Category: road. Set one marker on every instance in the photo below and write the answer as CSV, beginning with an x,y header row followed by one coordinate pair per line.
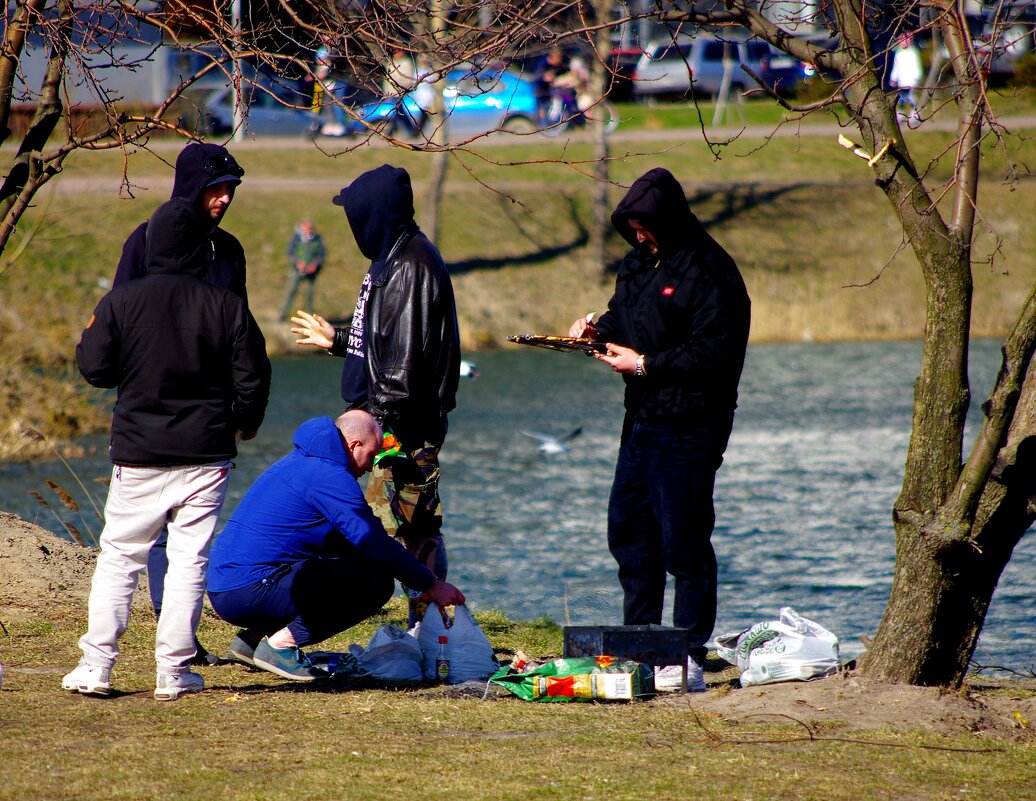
x,y
72,184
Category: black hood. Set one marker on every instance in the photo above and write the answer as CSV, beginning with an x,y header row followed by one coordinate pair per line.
x,y
379,205
177,240
200,165
656,200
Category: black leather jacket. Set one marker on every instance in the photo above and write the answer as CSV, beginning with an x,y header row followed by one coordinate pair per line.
x,y
412,341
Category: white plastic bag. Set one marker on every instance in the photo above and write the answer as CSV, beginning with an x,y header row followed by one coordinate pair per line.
x,y
792,648
471,655
392,655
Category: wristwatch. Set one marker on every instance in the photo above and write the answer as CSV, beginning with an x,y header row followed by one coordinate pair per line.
x,y
639,368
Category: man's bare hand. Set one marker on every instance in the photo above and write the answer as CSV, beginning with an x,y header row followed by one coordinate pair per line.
x,y
620,358
445,594
312,329
584,327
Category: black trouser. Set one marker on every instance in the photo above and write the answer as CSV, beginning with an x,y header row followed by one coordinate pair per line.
x,y
315,599
660,520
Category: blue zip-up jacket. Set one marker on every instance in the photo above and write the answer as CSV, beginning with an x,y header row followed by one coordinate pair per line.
x,y
298,510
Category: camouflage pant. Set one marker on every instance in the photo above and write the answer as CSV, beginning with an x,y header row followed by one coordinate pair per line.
x,y
404,494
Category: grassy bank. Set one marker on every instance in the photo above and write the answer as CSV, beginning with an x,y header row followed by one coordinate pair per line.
x,y
820,250
253,736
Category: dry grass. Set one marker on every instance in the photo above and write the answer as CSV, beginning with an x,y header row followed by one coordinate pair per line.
x,y
254,736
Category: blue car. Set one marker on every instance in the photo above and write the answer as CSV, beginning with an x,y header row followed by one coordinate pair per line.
x,y
476,101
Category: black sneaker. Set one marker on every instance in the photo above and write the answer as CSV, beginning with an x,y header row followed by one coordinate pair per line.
x,y
290,663
204,657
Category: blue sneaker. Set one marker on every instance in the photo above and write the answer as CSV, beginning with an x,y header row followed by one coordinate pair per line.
x,y
290,663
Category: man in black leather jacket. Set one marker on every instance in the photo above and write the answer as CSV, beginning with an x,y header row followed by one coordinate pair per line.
x,y
677,330
402,357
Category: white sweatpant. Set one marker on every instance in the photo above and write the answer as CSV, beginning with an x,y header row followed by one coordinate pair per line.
x,y
141,501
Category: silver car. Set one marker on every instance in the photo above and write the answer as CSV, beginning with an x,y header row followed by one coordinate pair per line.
x,y
269,113
672,69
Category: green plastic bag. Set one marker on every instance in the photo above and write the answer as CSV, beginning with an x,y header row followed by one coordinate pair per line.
x,y
584,678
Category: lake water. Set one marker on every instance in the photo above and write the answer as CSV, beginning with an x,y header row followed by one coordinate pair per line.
x,y
803,500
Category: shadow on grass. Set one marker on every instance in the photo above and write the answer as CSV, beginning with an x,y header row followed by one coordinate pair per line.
x,y
526,232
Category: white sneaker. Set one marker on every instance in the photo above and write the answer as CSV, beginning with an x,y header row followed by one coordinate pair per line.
x,y
170,686
667,679
88,679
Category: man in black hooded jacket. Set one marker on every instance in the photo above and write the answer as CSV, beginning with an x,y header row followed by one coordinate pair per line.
x,y
677,330
402,357
206,177
192,375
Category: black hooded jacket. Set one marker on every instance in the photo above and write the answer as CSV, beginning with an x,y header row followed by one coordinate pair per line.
x,y
225,259
686,309
188,359
403,349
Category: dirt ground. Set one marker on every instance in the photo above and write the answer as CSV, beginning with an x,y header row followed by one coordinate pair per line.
x,y
42,576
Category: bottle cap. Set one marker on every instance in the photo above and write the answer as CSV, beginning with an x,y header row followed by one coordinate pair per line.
x,y
442,638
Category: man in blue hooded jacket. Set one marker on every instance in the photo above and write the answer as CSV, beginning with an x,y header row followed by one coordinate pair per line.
x,y
303,557
677,330
206,177
402,357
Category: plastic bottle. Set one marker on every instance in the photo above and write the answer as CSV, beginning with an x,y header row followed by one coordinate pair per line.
x,y
442,660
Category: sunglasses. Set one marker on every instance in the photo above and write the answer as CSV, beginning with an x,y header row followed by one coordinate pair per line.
x,y
223,164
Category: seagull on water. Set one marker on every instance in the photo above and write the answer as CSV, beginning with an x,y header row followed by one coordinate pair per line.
x,y
468,369
552,445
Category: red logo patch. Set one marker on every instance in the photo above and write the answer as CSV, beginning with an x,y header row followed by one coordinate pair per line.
x,y
667,291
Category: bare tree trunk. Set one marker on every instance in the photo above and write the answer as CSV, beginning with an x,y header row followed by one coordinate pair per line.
x,y
440,159
946,567
601,225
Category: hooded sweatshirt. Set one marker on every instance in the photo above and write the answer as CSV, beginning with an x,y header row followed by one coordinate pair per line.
x,y
306,506
187,358
379,206
685,308
402,351
198,166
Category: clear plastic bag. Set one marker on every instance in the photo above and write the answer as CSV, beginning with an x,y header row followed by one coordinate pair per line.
x,y
792,648
392,655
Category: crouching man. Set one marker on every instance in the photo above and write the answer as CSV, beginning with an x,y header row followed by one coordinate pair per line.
x,y
303,557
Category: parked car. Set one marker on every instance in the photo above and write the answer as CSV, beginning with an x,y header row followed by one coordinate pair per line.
x,y
673,69
622,63
476,101
272,108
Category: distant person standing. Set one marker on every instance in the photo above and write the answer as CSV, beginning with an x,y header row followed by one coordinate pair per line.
x,y
907,76
306,255
206,177
677,330
190,366
401,357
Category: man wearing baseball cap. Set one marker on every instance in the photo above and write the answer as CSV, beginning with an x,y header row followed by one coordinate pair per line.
x,y
206,176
